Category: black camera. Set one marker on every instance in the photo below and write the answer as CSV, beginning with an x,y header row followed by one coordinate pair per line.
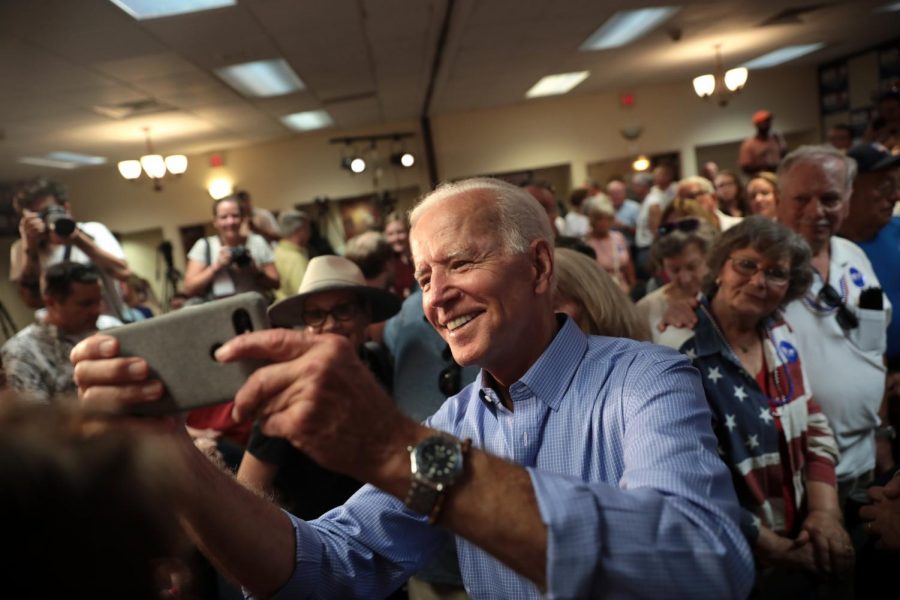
x,y
58,220
240,256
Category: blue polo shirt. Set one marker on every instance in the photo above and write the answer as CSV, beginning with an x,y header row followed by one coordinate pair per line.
x,y
883,252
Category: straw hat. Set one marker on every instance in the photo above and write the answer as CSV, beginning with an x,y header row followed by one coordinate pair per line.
x,y
326,274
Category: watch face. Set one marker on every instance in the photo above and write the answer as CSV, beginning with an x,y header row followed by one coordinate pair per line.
x,y
438,460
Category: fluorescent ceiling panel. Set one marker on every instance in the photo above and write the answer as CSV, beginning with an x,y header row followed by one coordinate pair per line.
x,y
783,55
262,78
626,26
74,157
152,9
308,120
552,85
39,161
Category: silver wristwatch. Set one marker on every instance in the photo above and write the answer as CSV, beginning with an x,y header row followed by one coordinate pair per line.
x,y
436,464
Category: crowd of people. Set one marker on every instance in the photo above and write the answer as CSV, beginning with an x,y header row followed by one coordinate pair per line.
x,y
679,387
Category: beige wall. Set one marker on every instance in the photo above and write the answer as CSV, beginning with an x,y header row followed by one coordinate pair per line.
x,y
582,130
573,131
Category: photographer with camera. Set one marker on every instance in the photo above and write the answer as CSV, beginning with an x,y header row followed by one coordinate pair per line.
x,y
229,263
50,235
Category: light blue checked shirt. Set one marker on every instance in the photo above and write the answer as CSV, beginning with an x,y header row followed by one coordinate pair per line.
x,y
617,440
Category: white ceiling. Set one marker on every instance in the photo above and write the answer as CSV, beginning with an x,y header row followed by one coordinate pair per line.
x,y
364,61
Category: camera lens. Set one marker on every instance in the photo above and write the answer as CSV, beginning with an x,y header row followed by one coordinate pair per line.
x,y
241,321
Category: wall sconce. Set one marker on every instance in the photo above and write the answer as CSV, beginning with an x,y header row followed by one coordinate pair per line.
x,y
154,165
722,84
220,188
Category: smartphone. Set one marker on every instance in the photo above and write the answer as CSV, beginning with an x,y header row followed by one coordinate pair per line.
x,y
180,346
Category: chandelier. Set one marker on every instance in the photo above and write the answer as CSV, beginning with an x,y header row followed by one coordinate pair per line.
x,y
722,84
154,165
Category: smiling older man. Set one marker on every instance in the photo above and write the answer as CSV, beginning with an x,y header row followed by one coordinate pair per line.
x,y
840,323
575,465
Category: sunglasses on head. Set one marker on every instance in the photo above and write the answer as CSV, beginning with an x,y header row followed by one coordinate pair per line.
x,y
832,299
683,225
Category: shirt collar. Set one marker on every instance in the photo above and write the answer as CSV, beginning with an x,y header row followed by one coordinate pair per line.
x,y
549,377
706,340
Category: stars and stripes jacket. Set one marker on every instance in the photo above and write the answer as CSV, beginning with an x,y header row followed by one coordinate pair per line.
x,y
770,478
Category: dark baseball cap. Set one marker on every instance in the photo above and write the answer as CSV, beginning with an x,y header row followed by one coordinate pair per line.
x,y
873,157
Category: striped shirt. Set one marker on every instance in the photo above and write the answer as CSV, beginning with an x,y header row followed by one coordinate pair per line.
x,y
616,438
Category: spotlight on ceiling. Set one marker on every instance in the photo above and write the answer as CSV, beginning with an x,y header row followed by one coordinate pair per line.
x,y
403,159
356,164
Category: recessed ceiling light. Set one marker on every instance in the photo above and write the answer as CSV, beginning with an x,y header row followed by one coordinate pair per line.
x,y
262,78
782,55
152,9
308,120
552,85
626,26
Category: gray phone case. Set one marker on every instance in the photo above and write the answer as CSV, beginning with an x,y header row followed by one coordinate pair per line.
x,y
179,348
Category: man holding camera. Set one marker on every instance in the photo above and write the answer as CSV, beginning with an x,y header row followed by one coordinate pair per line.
x,y
49,235
229,262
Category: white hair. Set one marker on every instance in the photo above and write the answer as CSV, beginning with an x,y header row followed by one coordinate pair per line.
x,y
703,183
520,218
818,154
600,205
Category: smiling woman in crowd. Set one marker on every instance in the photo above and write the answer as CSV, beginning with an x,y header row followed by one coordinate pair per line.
x,y
771,431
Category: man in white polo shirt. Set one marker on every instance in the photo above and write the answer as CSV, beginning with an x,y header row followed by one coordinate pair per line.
x,y
841,322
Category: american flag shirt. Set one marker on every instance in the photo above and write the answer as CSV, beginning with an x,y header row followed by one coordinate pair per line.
x,y
773,442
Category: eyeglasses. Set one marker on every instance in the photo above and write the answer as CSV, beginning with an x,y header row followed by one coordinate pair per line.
x,y
450,379
687,225
775,276
341,312
831,298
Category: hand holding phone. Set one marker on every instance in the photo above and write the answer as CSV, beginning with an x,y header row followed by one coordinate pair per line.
x,y
179,348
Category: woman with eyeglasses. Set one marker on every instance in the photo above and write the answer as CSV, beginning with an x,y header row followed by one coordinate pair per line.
x,y
333,298
771,431
680,251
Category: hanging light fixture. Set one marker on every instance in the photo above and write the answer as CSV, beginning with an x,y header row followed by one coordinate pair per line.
x,y
722,84
154,165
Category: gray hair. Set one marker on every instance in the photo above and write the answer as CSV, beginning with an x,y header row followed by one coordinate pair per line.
x,y
702,182
645,179
291,220
371,253
771,239
675,242
599,205
817,154
520,218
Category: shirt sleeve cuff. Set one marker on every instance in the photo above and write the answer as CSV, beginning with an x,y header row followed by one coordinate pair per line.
x,y
307,559
572,528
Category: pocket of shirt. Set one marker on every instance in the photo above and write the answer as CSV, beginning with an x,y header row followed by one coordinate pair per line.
x,y
871,335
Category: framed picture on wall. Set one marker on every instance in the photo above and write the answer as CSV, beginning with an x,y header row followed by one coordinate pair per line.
x,y
359,214
834,91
